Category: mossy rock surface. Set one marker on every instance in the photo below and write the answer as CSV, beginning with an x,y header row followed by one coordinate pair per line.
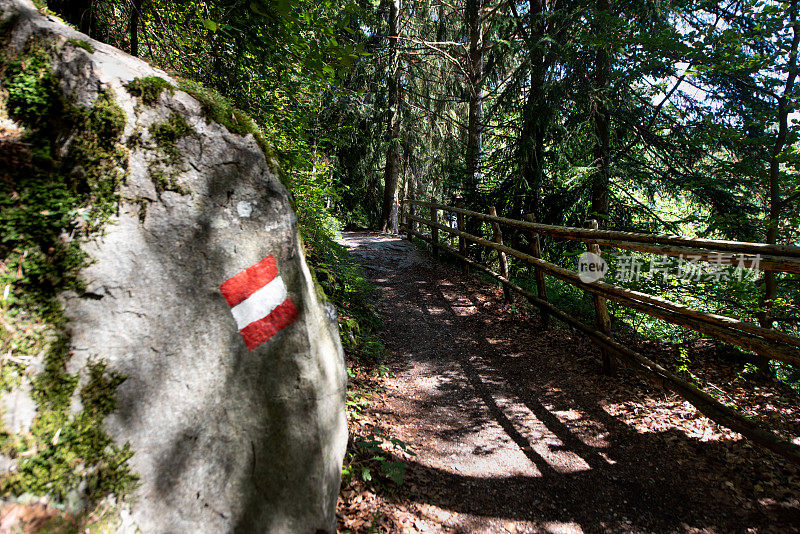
x,y
149,88
146,390
63,167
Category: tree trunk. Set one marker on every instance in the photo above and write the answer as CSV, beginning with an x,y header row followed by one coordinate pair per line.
x,y
599,208
392,172
775,200
475,125
535,118
136,13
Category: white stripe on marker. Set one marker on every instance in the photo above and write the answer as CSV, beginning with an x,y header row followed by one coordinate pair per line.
x,y
260,304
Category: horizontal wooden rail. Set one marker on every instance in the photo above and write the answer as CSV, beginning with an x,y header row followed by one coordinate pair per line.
x,y
764,341
599,287
654,372
771,257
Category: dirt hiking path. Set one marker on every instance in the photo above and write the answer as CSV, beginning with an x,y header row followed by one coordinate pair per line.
x,y
515,430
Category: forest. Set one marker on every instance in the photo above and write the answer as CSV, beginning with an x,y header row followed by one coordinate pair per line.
x,y
679,118
662,117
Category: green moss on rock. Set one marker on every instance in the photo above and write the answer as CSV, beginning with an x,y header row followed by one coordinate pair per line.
x,y
52,194
71,450
86,45
165,135
216,108
59,180
149,89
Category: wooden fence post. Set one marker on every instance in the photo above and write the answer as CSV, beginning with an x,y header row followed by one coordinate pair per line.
x,y
498,238
402,215
409,223
541,288
462,243
434,231
412,209
601,312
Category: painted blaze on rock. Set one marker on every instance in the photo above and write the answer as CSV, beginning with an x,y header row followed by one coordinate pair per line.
x,y
259,302
226,433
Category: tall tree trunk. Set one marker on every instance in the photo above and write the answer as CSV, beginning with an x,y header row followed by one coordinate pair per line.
x,y
392,172
535,116
136,13
600,181
532,139
475,125
775,200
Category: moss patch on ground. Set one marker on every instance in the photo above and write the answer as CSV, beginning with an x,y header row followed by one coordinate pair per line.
x,y
59,179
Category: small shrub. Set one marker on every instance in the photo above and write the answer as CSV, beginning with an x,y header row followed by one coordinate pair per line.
x,y
373,458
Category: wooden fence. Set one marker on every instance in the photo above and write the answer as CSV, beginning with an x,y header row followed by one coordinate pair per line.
x,y
766,342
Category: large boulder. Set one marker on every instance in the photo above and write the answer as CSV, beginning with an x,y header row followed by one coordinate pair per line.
x,y
199,297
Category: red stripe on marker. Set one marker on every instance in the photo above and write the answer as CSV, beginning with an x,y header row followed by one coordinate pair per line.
x,y
241,285
262,330
259,302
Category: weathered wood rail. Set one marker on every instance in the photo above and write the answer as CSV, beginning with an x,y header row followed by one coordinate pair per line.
x,y
766,342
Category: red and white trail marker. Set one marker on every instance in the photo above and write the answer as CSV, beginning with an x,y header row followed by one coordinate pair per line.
x,y
259,302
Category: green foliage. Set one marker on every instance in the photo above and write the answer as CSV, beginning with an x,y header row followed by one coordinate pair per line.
x,y
313,194
683,363
373,458
33,93
149,89
564,296
344,284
